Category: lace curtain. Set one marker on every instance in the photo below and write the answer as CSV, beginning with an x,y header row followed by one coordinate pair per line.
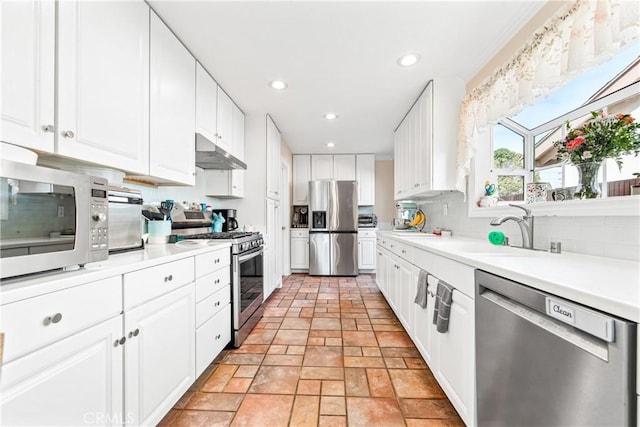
x,y
582,35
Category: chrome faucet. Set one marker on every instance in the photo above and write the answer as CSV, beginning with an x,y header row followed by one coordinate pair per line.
x,y
525,223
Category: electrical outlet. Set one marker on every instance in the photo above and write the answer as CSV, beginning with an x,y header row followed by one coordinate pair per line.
x,y
60,211
445,209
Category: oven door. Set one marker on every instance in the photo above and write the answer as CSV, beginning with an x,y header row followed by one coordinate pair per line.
x,y
248,285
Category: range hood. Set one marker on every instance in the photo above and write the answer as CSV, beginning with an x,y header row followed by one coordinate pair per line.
x,y
211,156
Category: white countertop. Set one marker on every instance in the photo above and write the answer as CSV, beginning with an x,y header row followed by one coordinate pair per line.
x,y
19,288
606,284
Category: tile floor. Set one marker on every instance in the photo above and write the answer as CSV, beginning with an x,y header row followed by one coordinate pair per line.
x,y
328,352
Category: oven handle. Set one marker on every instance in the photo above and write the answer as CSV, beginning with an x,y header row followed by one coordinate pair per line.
x,y
248,255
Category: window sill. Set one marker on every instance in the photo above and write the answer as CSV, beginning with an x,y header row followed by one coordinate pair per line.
x,y
614,206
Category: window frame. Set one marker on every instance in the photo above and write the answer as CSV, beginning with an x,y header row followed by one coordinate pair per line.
x,y
483,169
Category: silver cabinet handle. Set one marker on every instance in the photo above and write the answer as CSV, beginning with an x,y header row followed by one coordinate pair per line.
x,y
404,252
121,341
68,134
216,281
218,336
53,319
168,278
49,128
134,333
217,303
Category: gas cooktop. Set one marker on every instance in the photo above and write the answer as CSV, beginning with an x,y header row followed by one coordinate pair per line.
x,y
229,235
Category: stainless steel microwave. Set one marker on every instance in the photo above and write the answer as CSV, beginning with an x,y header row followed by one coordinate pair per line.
x,y
50,219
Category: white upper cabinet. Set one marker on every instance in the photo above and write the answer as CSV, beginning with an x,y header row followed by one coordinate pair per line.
x,y
344,167
273,160
426,140
206,100
321,166
224,120
172,120
237,135
366,176
27,72
103,83
301,177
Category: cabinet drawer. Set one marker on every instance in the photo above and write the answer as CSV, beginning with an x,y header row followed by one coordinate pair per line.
x,y
385,242
144,285
304,233
212,282
403,250
35,322
366,233
212,304
458,275
212,337
212,261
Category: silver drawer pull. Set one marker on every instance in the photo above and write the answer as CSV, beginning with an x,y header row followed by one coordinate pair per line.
x,y
217,281
216,304
134,333
53,319
218,336
168,278
121,341
68,134
404,252
48,128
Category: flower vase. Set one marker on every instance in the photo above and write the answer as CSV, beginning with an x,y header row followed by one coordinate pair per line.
x,y
588,187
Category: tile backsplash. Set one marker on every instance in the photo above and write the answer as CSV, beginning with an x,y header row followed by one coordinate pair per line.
x,y
607,236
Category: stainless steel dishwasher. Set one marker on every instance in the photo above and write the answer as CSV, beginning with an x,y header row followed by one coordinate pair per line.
x,y
546,361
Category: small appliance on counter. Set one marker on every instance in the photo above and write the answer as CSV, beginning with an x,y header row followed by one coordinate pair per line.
x,y
408,216
367,221
125,230
230,219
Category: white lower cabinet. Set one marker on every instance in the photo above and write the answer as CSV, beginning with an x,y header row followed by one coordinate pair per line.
x,y
159,355
455,351
76,381
299,250
367,250
450,355
212,337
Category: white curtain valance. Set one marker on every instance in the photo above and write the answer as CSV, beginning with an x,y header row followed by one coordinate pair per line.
x,y
584,34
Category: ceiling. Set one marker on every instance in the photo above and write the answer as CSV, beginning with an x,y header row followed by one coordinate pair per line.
x,y
340,57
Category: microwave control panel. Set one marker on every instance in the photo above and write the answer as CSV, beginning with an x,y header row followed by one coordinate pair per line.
x,y
99,222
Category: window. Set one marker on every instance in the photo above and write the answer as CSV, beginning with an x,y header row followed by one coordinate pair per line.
x,y
522,145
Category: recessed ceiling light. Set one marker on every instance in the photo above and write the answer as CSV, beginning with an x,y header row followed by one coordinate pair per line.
x,y
408,60
278,84
331,116
330,144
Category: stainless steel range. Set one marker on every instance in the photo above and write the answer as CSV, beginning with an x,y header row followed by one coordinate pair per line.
x,y
247,276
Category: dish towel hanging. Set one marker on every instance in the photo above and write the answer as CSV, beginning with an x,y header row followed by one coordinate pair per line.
x,y
421,295
442,308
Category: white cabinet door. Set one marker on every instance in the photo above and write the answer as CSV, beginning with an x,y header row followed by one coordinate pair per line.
x,y
206,103
159,355
273,248
366,253
212,337
301,178
173,90
380,269
344,167
321,166
27,72
406,279
103,83
76,381
366,176
423,136
225,120
424,332
238,133
300,253
456,357
273,160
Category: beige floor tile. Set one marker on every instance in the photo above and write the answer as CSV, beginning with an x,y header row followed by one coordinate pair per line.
x,y
215,402
276,379
332,388
323,356
264,410
355,381
332,405
305,411
367,411
203,418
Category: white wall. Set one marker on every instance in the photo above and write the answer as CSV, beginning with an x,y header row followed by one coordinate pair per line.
x,y
611,237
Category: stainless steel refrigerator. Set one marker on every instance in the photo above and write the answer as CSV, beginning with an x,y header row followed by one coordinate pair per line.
x,y
333,228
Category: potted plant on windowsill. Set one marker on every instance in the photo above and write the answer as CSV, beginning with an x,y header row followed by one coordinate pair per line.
x,y
601,137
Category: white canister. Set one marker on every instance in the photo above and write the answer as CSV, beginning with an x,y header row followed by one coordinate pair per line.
x,y
537,192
